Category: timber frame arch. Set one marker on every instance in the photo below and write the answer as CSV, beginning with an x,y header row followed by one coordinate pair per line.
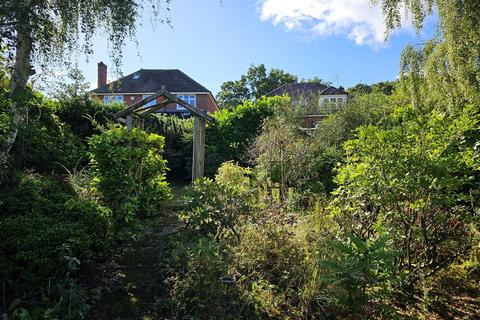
x,y
137,111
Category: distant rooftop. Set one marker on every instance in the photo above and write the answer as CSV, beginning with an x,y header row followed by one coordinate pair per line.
x,y
298,90
152,80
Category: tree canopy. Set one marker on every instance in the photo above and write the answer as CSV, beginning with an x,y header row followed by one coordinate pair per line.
x,y
256,83
46,31
449,63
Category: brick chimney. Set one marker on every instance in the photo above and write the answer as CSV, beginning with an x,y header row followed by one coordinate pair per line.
x,y
102,74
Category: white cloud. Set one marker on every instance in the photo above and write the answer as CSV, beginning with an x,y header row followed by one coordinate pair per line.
x,y
356,19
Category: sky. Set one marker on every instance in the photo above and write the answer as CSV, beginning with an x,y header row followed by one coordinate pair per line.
x,y
341,41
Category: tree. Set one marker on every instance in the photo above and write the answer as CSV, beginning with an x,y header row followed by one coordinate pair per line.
x,y
76,88
385,87
417,180
360,89
450,62
47,31
253,85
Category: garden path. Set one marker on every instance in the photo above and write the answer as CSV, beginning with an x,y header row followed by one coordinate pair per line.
x,y
130,285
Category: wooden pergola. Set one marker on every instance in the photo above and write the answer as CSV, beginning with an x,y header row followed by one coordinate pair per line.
x,y
137,111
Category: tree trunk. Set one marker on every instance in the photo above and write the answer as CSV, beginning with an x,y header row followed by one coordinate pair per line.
x,y
22,70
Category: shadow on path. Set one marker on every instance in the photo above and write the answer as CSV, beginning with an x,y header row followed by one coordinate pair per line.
x,y
130,281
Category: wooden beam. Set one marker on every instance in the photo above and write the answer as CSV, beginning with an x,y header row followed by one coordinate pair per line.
x,y
156,107
170,98
198,160
138,104
196,112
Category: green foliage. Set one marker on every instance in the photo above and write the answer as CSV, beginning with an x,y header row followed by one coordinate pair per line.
x,y
255,84
385,87
129,171
45,143
359,111
447,66
5,106
51,30
361,271
236,130
414,179
83,114
43,217
76,88
280,154
178,135
194,278
215,208
270,261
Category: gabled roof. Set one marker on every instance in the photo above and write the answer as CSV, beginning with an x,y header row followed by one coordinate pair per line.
x,y
153,80
298,90
333,90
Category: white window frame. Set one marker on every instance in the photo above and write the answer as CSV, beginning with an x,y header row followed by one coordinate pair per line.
x,y
151,103
113,99
188,99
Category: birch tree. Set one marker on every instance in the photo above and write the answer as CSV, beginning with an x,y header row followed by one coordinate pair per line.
x,y
44,31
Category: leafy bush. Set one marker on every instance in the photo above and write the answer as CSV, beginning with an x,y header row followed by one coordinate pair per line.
x,y
269,261
42,216
361,272
415,180
195,290
44,143
82,114
178,135
235,131
360,111
215,208
129,171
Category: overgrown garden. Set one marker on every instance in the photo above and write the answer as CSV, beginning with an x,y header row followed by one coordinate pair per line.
x,y
373,215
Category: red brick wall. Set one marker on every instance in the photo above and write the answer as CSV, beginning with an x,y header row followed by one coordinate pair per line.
x,y
205,102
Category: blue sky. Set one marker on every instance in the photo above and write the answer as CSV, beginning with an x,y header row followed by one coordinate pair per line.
x,y
336,40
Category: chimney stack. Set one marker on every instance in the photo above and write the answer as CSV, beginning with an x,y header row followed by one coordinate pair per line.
x,y
102,74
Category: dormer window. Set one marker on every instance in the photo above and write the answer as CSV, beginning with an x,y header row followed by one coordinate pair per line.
x,y
136,77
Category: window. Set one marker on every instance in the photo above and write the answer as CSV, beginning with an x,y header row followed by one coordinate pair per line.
x,y
112,99
151,103
190,99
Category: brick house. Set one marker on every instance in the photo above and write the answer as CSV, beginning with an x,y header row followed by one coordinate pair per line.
x,y
145,82
322,99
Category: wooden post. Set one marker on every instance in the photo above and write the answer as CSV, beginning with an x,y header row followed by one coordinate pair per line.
x,y
129,121
198,160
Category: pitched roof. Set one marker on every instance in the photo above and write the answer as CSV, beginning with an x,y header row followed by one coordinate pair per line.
x,y
152,80
298,90
333,90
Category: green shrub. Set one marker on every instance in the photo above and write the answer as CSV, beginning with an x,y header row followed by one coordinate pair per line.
x,y
178,135
195,289
215,208
35,192
235,131
45,143
35,228
82,114
129,171
270,264
414,179
360,272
